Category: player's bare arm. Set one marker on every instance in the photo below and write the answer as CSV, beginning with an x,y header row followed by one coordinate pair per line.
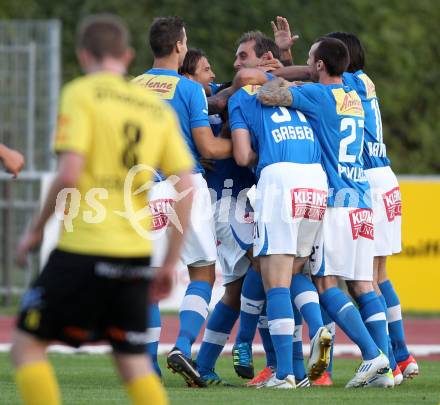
x,y
248,76
276,93
209,146
219,102
284,39
12,160
294,72
244,155
70,166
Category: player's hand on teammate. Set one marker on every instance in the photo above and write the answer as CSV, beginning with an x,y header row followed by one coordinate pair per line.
x,y
13,161
269,63
283,37
30,241
162,283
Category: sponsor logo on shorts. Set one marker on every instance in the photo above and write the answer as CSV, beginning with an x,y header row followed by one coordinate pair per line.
x,y
362,223
76,333
120,335
309,203
393,203
161,209
32,319
248,218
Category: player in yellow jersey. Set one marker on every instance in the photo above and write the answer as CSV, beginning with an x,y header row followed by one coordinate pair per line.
x,y
95,284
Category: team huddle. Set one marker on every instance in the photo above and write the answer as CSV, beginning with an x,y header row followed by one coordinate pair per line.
x,y
321,212
283,179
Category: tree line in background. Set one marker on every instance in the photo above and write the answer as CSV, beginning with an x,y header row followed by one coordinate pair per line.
x,y
403,50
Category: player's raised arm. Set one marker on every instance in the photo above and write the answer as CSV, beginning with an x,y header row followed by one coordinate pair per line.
x,y
275,93
284,39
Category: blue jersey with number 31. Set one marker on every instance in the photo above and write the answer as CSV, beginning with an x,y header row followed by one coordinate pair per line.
x,y
375,151
278,134
337,118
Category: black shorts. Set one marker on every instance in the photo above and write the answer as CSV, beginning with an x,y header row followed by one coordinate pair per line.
x,y
80,298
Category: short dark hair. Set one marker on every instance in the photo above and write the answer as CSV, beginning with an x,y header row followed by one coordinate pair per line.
x,y
334,54
103,35
189,64
263,43
165,32
355,49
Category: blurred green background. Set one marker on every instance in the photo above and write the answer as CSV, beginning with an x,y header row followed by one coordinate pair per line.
x,y
400,36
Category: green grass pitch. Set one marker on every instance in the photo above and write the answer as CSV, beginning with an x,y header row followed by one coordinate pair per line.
x,y
90,379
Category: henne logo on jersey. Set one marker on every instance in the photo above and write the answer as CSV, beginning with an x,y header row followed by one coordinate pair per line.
x,y
369,85
361,221
348,103
309,203
164,86
393,203
251,89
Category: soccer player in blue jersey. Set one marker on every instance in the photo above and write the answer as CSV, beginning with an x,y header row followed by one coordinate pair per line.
x,y
386,201
168,42
345,246
290,204
234,225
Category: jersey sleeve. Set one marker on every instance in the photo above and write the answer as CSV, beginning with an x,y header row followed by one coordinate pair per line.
x,y
306,98
198,107
74,122
236,118
176,157
214,88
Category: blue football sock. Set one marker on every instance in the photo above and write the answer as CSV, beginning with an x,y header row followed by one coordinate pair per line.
x,y
263,328
374,317
330,324
306,299
153,335
348,318
393,363
395,323
281,327
220,323
252,300
192,315
298,356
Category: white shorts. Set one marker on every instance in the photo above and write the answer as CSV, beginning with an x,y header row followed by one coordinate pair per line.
x,y
344,245
290,203
199,247
387,211
234,225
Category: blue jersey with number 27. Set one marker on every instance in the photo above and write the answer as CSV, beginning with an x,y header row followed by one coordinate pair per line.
x,y
337,118
278,134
